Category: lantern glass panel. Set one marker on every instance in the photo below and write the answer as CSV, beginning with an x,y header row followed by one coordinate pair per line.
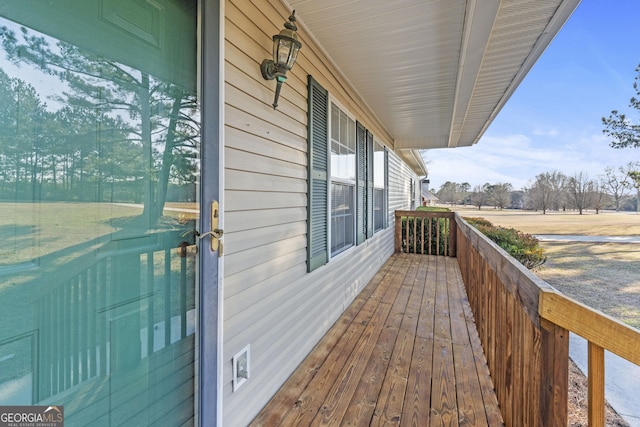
x,y
293,57
283,52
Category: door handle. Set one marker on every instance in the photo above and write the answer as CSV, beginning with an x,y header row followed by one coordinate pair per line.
x,y
215,233
216,244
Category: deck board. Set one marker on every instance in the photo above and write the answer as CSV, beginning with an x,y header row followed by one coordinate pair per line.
x,y
406,352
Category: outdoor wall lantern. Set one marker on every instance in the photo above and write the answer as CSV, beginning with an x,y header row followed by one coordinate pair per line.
x,y
285,52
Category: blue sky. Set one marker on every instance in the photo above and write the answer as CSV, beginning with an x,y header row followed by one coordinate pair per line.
x,y
553,121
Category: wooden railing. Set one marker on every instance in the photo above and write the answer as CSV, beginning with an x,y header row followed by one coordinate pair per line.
x,y
524,326
602,333
425,232
527,355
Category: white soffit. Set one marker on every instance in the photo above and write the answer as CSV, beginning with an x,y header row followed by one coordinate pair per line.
x,y
435,72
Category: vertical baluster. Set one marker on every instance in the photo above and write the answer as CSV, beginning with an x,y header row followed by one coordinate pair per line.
x,y
66,333
35,371
45,354
430,233
92,289
406,234
74,307
83,297
36,351
56,319
167,297
596,407
422,235
150,304
102,322
414,249
437,236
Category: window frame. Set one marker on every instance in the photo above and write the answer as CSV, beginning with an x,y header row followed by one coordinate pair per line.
x,y
320,178
338,180
384,169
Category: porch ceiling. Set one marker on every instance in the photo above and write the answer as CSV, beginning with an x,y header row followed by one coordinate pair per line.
x,y
435,72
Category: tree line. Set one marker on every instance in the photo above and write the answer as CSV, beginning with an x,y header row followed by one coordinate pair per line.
x,y
554,191
111,133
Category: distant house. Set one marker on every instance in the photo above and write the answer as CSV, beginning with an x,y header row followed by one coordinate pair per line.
x,y
126,312
517,200
428,198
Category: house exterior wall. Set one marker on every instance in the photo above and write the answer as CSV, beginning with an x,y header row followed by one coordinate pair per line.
x,y
270,301
403,190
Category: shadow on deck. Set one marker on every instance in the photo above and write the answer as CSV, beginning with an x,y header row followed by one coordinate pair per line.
x,y
405,352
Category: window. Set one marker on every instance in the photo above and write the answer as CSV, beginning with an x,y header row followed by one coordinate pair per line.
x,y
342,217
346,180
343,180
379,190
412,194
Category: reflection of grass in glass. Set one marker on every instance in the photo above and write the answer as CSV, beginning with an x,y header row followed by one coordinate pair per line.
x,y
45,242
32,230
51,228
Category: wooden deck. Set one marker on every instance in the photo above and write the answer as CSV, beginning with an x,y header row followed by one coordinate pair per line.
x,y
405,352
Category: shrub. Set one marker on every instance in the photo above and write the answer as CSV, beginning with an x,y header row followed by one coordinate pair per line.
x,y
478,221
523,247
433,209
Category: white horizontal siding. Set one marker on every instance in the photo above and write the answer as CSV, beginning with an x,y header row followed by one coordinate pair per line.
x,y
400,177
271,302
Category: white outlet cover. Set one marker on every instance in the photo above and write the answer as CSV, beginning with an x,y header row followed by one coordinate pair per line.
x,y
243,357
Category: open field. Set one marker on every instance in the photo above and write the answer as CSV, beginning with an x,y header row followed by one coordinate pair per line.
x,y
589,224
605,276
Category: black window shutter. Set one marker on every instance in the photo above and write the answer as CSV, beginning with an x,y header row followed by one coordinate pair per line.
x,y
369,184
361,183
318,158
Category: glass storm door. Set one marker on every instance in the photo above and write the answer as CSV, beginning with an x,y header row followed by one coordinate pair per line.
x,y
99,183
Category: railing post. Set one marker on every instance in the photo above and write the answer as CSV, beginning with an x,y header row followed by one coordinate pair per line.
x,y
554,384
596,385
398,232
453,239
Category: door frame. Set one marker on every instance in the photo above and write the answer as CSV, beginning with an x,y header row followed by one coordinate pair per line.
x,y
211,84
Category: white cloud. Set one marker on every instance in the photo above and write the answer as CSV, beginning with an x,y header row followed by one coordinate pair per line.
x,y
546,132
517,159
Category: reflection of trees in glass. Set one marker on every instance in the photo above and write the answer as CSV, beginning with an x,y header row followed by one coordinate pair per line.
x,y
20,112
122,136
